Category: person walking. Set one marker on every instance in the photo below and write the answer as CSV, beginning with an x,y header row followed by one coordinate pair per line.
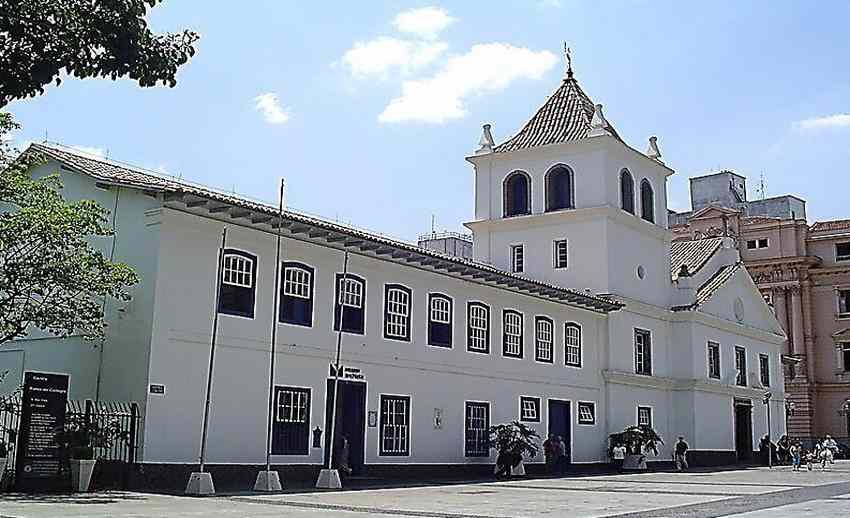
x,y
794,451
618,455
681,452
561,455
549,447
830,444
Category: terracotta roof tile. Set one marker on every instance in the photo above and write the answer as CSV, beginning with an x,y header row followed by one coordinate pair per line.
x,y
830,226
564,117
694,253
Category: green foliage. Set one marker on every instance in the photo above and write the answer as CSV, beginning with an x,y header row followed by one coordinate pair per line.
x,y
637,439
514,439
82,435
51,277
42,39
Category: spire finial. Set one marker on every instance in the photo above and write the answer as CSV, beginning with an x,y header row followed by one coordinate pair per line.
x,y
568,55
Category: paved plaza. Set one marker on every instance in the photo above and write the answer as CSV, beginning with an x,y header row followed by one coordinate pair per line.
x,y
745,493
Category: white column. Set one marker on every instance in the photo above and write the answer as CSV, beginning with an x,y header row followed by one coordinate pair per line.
x,y
798,347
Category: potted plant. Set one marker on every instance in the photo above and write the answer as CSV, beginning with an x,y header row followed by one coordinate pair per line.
x,y
638,440
512,441
79,438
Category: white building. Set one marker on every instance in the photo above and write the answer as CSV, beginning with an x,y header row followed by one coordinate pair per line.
x,y
576,316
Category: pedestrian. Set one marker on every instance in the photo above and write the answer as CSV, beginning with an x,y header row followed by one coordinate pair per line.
x,y
764,450
561,456
794,451
342,455
549,448
830,444
618,454
782,447
681,451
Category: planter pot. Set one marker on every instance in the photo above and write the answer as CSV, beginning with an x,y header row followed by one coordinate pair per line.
x,y
518,470
634,462
81,472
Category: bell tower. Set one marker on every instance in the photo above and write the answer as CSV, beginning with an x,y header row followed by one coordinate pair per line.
x,y
566,201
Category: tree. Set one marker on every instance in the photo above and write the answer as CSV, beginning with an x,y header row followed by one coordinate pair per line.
x,y
39,39
51,276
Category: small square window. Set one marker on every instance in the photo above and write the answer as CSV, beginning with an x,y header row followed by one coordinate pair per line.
x,y
763,243
529,408
517,258
842,251
751,244
561,255
586,413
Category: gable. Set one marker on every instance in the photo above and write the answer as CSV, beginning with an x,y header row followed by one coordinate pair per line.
x,y
737,299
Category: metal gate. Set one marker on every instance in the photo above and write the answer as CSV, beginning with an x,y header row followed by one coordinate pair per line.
x,y
116,456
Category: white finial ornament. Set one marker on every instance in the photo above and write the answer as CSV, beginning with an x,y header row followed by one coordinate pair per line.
x,y
652,151
598,124
486,143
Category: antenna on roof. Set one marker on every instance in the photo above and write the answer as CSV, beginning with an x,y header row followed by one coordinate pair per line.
x,y
433,223
761,188
568,55
45,135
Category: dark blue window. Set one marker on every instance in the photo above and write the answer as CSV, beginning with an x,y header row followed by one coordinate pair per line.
x,y
296,294
350,303
440,313
238,283
559,188
517,189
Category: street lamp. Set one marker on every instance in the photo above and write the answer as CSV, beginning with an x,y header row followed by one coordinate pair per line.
x,y
766,400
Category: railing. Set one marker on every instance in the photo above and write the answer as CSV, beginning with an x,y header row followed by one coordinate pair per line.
x,y
116,442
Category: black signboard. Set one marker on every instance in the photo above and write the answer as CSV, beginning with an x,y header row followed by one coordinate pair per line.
x,y
42,417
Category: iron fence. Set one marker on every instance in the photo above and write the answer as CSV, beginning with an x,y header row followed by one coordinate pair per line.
x,y
114,439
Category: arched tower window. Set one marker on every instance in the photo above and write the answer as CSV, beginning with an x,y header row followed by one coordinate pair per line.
x,y
627,191
559,188
647,201
517,190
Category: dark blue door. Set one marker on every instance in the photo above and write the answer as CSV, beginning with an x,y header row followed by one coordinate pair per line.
x,y
559,423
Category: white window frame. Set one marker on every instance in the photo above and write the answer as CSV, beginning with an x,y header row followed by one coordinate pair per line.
x,y
740,373
397,315
440,310
716,346
237,270
298,283
478,334
480,432
351,298
530,408
572,345
556,254
296,406
584,405
764,361
512,343
642,332
518,264
637,412
841,258
838,312
542,342
401,436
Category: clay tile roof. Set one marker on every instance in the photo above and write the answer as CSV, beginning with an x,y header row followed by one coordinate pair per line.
x,y
714,283
694,253
564,117
123,174
830,226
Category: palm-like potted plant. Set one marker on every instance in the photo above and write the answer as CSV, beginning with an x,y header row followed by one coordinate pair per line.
x,y
513,441
79,438
639,440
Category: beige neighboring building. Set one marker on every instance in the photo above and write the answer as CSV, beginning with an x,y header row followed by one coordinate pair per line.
x,y
804,272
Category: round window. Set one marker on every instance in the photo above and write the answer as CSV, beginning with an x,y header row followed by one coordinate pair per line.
x,y
738,308
641,272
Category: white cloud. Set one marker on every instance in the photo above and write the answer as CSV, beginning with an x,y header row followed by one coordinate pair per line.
x,y
485,68
269,105
839,120
425,22
377,57
96,152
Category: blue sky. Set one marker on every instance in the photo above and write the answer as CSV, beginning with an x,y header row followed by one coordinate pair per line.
x,y
368,108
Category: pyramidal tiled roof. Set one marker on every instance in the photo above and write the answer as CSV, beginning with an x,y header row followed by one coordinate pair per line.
x,y
564,117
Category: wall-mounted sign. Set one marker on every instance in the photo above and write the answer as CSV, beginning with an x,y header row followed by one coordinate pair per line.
x,y
373,418
157,388
348,373
42,417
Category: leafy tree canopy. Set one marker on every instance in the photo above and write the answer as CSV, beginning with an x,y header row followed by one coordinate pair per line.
x,y
39,39
51,276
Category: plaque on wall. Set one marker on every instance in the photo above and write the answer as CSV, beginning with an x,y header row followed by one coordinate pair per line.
x,y
39,460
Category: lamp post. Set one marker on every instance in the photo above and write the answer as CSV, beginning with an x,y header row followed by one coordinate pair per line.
x,y
766,401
